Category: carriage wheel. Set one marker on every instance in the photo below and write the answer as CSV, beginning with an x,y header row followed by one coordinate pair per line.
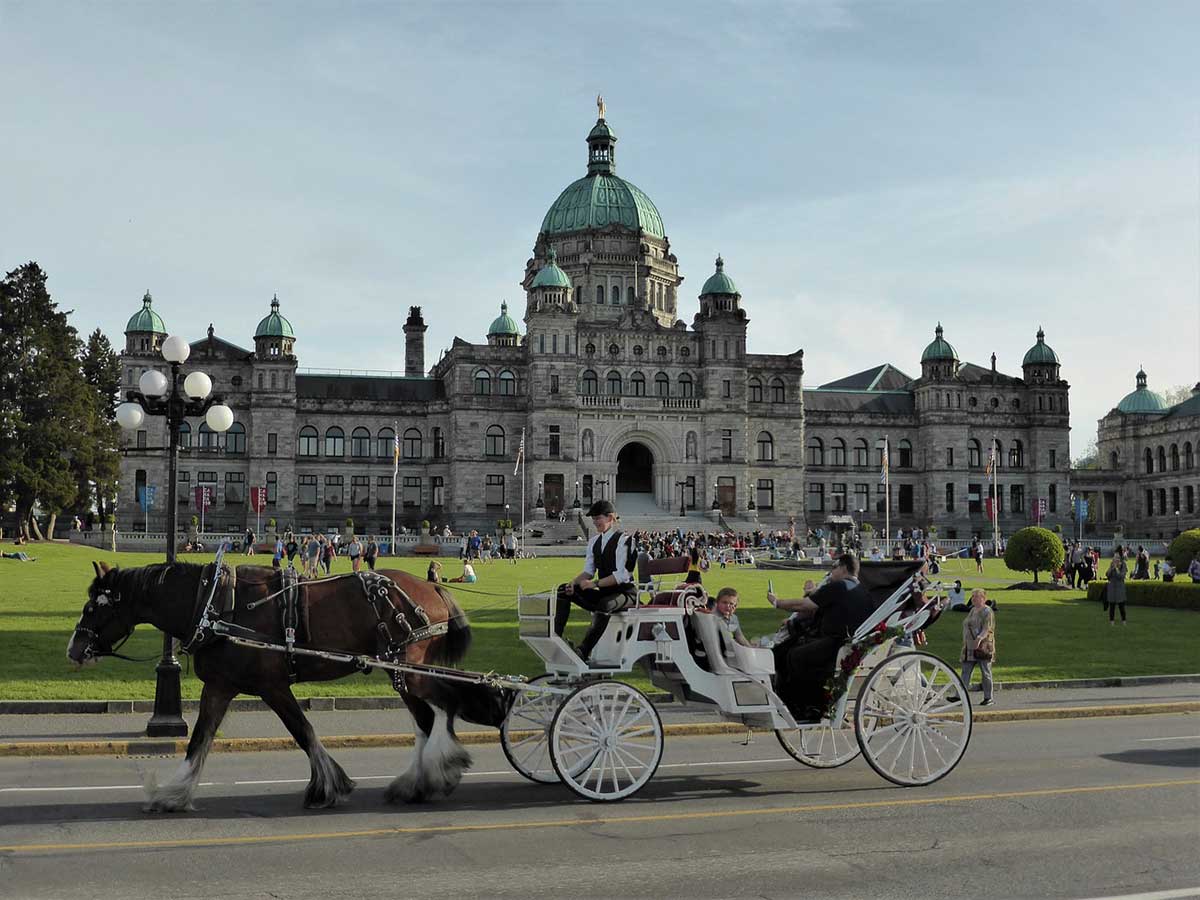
x,y
824,746
606,741
912,719
532,712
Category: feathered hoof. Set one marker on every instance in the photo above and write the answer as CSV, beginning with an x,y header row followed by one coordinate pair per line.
x,y
167,799
330,790
407,789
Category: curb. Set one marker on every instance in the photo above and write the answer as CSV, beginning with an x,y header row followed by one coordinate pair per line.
x,y
366,741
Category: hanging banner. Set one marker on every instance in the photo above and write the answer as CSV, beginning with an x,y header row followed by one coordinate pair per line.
x,y
258,499
204,496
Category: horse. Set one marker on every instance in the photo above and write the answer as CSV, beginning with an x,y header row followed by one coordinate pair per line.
x,y
337,614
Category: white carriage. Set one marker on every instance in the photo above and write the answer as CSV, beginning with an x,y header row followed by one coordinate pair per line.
x,y
907,713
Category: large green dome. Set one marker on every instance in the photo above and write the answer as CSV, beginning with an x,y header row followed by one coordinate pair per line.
x,y
599,200
939,348
146,319
1040,353
1142,399
274,325
503,323
550,275
719,282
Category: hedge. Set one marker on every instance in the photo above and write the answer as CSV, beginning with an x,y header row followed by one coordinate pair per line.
x,y
1178,594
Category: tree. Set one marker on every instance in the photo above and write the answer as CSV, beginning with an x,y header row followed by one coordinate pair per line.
x,y
1177,394
97,474
1034,550
1184,549
1090,458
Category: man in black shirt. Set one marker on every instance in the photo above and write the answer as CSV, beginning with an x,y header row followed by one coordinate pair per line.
x,y
836,610
605,585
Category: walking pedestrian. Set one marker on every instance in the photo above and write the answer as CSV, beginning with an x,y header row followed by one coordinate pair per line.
x,y
371,554
327,553
354,550
1114,591
979,644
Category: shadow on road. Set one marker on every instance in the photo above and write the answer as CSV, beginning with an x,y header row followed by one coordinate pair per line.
x,y
1182,757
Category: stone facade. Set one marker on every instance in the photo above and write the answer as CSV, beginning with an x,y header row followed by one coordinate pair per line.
x,y
617,397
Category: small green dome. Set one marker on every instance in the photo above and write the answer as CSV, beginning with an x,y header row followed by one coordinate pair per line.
x,y
550,275
274,325
940,348
719,282
1142,399
504,323
146,319
601,130
1040,353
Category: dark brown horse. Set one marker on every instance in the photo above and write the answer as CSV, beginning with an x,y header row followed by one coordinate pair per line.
x,y
336,615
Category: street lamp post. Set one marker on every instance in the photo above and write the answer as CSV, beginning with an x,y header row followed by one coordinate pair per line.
x,y
160,395
682,485
576,504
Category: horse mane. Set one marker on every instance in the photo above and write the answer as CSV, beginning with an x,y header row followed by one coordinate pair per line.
x,y
149,583
453,648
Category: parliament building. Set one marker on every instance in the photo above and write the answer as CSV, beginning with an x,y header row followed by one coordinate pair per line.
x,y
617,396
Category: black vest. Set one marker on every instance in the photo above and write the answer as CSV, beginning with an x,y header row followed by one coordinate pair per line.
x,y
606,560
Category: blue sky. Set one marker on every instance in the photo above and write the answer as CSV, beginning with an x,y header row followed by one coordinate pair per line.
x,y
865,169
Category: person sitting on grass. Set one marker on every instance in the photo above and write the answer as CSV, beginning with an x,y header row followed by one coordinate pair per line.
x,y
957,598
1167,571
467,576
434,573
1194,569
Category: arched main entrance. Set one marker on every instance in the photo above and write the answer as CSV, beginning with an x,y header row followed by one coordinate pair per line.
x,y
635,469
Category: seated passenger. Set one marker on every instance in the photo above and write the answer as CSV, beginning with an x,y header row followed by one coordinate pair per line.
x,y
837,608
725,607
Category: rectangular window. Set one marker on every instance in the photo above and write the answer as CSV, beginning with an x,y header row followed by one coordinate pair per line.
x,y
439,443
1189,494
412,492
554,448
1053,458
726,443
838,497
862,497
816,498
235,488
334,485
554,343
906,498
726,389
974,498
765,494
272,443
141,440
272,488
949,498
383,491
1052,498
541,343
554,384
587,489
950,457
183,489
437,491
494,490
567,344
360,490
1016,498
690,491
306,490
1149,502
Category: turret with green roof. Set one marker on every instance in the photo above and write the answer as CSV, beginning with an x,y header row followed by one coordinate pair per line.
x,y
274,337
503,332
939,359
145,329
1142,400
1041,362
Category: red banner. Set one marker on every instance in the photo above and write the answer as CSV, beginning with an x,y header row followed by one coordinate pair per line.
x,y
258,499
204,496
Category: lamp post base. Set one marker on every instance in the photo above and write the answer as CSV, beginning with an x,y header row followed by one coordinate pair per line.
x,y
167,720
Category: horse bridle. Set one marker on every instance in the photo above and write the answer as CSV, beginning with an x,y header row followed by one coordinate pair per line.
x,y
94,649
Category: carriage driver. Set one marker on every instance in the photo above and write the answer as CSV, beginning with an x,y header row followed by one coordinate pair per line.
x,y
605,586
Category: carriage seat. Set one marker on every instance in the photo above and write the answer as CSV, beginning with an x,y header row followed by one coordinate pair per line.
x,y
715,638
650,574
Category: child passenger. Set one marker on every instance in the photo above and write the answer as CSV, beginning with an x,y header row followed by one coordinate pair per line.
x,y
726,608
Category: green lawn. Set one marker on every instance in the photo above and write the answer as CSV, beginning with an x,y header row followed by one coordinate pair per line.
x,y
1039,635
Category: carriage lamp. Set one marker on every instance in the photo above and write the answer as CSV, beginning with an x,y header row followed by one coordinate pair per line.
x,y
159,394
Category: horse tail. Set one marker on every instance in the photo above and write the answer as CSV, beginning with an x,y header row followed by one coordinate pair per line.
x,y
451,650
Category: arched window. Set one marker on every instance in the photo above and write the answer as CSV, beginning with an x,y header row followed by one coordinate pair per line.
x,y
778,394
630,297
493,441
335,441
1114,460
600,294
360,442
507,383
483,383
1149,460
613,383
411,448
904,455
756,391
235,439
308,442
1016,455
589,385
1189,461
662,385
1174,457
208,441
616,295
662,352
816,452
766,447
1162,459
861,453
385,443
838,448
637,384
974,454
185,436
687,387
590,349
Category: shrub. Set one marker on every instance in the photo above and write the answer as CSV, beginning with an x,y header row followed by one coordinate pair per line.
x,y
349,523
1183,550
270,524
1170,595
1034,550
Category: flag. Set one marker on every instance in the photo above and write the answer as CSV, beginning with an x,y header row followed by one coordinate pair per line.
x,y
395,451
883,472
520,453
991,463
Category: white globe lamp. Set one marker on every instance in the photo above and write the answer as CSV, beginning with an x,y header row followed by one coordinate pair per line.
x,y
197,385
175,349
130,416
153,383
219,417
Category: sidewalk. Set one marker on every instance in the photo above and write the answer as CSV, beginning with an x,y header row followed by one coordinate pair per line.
x,y
124,733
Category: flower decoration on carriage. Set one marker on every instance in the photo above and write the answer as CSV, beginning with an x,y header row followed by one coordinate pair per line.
x,y
839,681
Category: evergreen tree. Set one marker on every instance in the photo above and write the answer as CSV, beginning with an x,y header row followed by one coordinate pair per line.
x,y
97,475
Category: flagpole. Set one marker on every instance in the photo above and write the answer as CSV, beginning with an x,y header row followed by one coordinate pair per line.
x,y
995,501
395,478
887,491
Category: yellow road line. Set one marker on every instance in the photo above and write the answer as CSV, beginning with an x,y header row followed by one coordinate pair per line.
x,y
18,849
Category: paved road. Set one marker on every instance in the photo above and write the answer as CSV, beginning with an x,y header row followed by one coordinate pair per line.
x,y
1072,809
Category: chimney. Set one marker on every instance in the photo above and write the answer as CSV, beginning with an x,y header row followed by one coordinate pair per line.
x,y
414,344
